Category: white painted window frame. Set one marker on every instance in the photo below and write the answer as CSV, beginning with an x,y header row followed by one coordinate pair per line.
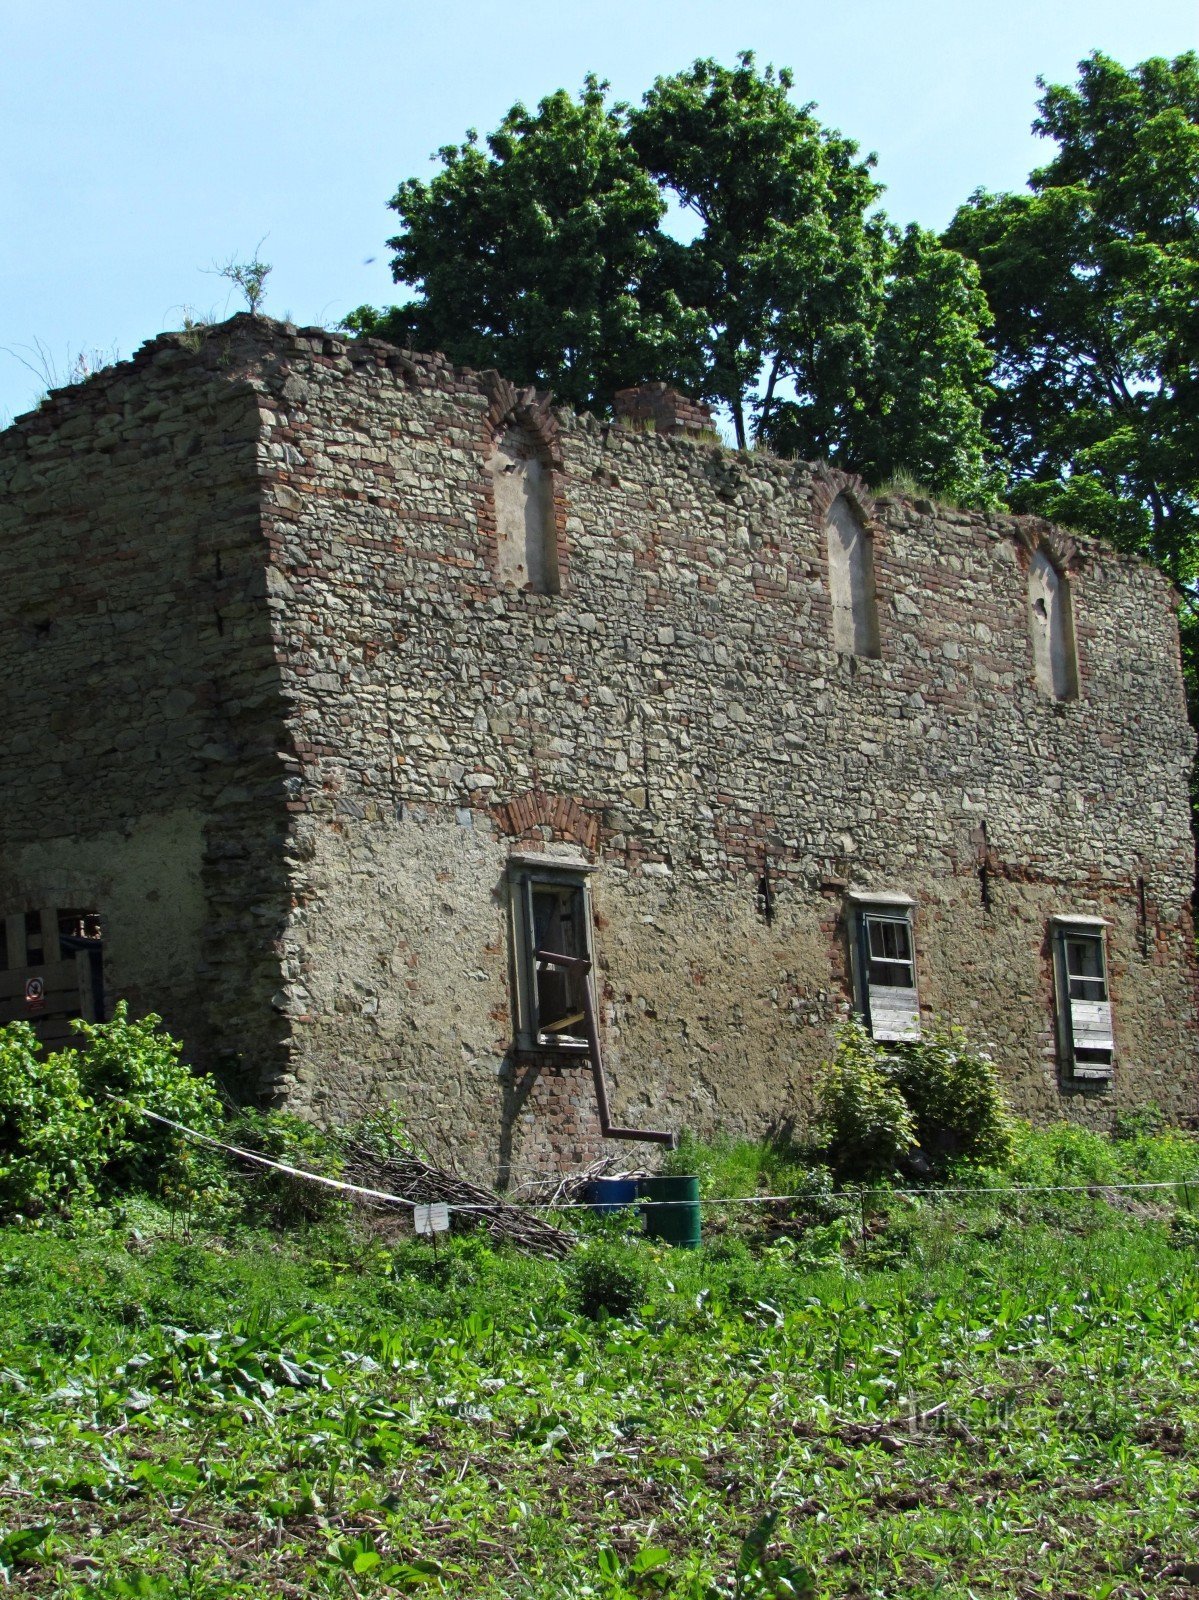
x,y
1086,1036
891,1012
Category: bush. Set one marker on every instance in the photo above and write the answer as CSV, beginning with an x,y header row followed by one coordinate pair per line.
x,y
927,1106
955,1097
867,1126
71,1123
48,1127
276,1199
605,1282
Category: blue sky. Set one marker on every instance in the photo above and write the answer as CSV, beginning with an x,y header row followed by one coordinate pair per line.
x,y
147,142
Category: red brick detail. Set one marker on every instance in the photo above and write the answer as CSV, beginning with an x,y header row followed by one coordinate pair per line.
x,y
830,482
664,409
546,816
556,1122
1033,534
528,408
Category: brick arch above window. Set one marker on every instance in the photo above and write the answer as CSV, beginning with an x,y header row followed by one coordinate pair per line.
x,y
830,484
1033,535
538,815
530,410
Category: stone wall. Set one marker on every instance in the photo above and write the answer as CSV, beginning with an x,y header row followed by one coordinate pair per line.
x,y
139,772
343,764
679,712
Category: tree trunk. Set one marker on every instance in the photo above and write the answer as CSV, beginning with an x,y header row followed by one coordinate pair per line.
x,y
739,421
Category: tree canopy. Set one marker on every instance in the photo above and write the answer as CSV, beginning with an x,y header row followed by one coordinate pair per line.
x,y
718,236
538,252
1093,279
793,302
784,268
909,394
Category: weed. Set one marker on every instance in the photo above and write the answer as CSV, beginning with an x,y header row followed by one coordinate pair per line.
x,y
1184,1230
78,365
956,1395
1144,1122
606,1282
248,276
276,1199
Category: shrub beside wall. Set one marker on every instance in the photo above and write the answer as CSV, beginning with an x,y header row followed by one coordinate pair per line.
x,y
922,1108
71,1129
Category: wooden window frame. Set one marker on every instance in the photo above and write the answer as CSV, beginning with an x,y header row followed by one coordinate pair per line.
x,y
529,876
1083,1001
891,1012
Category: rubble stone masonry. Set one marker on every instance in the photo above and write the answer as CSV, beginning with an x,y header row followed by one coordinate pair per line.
x,y
276,709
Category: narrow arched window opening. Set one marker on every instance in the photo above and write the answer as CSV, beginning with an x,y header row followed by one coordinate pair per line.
x,y
526,533
851,581
1051,627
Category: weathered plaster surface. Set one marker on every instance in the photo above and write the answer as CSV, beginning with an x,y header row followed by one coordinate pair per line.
x,y
403,713
139,761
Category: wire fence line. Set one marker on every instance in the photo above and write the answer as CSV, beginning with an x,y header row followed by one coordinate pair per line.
x,y
277,1166
1095,1187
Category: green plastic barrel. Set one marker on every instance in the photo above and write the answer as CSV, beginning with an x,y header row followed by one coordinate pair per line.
x,y
670,1207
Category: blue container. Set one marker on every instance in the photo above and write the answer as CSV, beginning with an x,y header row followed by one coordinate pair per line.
x,y
607,1195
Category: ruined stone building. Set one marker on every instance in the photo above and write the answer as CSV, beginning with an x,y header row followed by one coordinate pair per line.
x,y
343,688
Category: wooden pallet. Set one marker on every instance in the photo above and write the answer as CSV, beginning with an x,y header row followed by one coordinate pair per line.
x,y
68,985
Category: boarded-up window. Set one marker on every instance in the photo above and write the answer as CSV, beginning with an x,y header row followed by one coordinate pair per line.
x,y
1051,626
1084,1004
885,968
526,533
551,918
851,581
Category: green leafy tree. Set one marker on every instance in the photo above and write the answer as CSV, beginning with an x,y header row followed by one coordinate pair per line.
x,y
785,266
795,304
1093,279
538,252
911,399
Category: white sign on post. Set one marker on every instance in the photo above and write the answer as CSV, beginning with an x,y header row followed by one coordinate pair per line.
x,y
431,1219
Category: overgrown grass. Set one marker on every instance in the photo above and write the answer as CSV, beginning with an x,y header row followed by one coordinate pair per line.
x,y
994,1395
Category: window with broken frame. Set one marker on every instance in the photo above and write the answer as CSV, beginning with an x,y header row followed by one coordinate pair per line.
x,y
883,958
551,918
1086,1042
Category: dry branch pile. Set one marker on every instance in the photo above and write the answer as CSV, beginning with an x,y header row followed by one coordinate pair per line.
x,y
402,1172
570,1189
